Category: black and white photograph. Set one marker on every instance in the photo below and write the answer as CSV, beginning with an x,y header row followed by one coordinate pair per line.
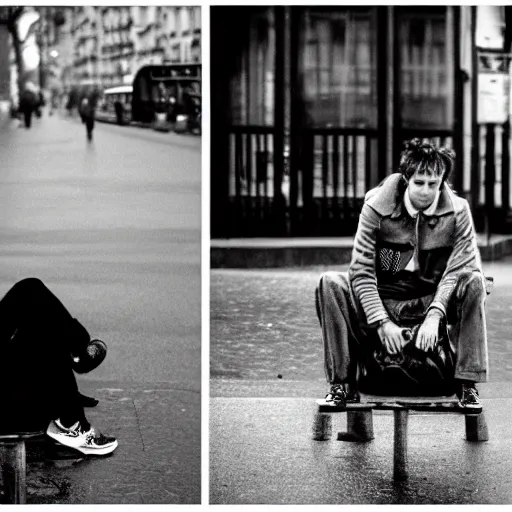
x,y
360,256
100,259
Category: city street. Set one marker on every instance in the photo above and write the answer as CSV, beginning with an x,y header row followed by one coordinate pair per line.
x,y
113,228
266,373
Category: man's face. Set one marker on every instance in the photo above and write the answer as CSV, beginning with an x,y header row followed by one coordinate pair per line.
x,y
423,189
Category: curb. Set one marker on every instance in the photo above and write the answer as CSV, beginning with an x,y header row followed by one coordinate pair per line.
x,y
299,252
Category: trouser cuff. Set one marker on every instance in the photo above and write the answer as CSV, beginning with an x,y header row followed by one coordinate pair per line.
x,y
472,376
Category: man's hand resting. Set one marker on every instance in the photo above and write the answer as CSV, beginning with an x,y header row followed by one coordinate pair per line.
x,y
391,336
428,333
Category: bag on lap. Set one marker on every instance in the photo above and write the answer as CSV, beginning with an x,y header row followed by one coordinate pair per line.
x,y
413,372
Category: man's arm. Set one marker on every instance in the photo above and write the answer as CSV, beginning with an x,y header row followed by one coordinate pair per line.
x,y
464,256
362,273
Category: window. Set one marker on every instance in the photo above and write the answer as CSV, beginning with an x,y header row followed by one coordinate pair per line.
x,y
426,67
252,86
338,67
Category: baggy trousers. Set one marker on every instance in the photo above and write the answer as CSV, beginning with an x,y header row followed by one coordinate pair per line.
x,y
38,337
346,336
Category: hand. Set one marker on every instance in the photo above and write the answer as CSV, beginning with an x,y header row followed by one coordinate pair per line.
x,y
428,333
391,336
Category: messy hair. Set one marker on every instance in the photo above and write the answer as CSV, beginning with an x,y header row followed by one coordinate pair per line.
x,y
426,158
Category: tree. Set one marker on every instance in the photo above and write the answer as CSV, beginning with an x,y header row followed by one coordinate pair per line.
x,y
9,17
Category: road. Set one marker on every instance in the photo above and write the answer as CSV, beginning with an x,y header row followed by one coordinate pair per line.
x,y
266,368
113,228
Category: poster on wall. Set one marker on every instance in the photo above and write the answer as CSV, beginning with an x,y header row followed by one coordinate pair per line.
x,y
493,88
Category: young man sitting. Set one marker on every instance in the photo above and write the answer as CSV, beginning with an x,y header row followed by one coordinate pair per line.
x,y
415,253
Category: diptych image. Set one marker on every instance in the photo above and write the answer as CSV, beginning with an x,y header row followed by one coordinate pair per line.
x,y
334,200
360,160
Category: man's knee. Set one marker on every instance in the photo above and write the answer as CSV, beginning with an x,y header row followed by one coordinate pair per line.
x,y
471,285
336,280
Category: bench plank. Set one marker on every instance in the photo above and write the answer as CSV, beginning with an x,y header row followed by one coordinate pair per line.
x,y
391,404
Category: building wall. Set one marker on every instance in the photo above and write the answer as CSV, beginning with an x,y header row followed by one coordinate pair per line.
x,y
112,43
356,84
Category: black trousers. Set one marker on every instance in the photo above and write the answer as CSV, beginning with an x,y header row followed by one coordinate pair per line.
x,y
27,115
38,338
89,125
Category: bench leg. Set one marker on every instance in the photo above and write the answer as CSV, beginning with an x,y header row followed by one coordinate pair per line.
x,y
14,472
400,470
476,427
359,427
322,427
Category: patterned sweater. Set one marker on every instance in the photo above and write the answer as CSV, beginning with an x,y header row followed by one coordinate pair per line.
x,y
443,243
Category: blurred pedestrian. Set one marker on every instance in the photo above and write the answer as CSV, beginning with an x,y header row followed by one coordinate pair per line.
x,y
87,111
29,101
42,345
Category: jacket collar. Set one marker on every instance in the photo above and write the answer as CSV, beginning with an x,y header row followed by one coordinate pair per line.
x,y
387,198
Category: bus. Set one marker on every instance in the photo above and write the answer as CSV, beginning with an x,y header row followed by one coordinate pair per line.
x,y
115,105
170,92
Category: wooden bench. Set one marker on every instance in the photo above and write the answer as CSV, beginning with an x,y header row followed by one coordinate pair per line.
x,y
14,465
360,423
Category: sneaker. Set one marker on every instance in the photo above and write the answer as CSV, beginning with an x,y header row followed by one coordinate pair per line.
x,y
94,355
95,443
469,399
341,394
68,436
88,442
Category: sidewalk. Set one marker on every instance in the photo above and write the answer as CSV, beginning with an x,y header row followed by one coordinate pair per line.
x,y
266,367
299,252
158,459
272,458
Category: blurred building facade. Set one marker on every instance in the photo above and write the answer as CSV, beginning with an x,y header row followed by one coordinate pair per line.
x,y
106,45
313,105
113,42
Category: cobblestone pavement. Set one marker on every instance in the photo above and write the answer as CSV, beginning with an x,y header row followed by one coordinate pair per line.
x,y
263,323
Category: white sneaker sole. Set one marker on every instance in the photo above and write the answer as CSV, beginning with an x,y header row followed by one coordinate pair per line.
x,y
99,450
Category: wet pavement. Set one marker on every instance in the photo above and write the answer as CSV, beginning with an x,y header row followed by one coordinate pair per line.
x,y
262,452
266,372
158,427
113,229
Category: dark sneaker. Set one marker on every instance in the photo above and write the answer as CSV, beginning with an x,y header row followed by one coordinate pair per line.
x,y
469,399
95,443
88,442
94,355
342,394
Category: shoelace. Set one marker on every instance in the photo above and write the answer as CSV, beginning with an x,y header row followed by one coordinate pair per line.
x,y
470,395
336,393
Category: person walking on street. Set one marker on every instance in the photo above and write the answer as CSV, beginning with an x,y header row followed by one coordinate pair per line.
x,y
42,346
415,255
87,112
29,101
